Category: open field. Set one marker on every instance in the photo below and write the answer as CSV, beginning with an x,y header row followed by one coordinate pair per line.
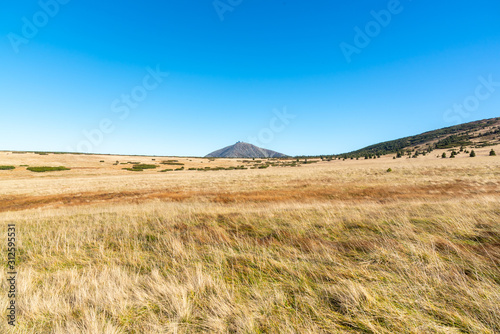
x,y
328,247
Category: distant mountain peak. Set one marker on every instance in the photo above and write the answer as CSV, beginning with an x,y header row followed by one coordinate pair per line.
x,y
244,150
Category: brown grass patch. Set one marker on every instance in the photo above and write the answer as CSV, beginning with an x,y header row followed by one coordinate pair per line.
x,y
354,193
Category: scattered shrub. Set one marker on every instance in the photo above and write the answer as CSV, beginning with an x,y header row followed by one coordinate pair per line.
x,y
492,153
172,163
7,167
140,167
133,169
46,169
389,170
472,154
145,166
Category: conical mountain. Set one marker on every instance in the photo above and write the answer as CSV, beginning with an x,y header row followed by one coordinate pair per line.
x,y
244,150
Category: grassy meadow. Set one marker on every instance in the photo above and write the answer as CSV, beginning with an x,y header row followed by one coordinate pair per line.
x,y
327,247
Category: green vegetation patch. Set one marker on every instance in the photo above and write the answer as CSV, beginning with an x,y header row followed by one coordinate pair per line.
x,y
140,167
46,169
145,166
172,163
205,169
7,167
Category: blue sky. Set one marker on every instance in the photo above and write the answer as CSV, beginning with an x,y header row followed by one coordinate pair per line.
x,y
273,73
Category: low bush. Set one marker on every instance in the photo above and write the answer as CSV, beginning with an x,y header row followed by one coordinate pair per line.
x,y
144,166
165,170
140,167
133,169
172,163
46,169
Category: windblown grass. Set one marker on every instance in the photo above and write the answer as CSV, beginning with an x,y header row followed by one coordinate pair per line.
x,y
318,249
289,267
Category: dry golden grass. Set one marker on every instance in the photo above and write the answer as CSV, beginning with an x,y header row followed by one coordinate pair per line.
x,y
332,247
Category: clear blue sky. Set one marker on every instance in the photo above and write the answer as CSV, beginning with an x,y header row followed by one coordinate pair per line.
x,y
232,65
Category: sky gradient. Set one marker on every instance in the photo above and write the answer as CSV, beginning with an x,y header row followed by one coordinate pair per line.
x,y
92,75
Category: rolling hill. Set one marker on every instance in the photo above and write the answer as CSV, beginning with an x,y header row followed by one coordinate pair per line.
x,y
475,134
